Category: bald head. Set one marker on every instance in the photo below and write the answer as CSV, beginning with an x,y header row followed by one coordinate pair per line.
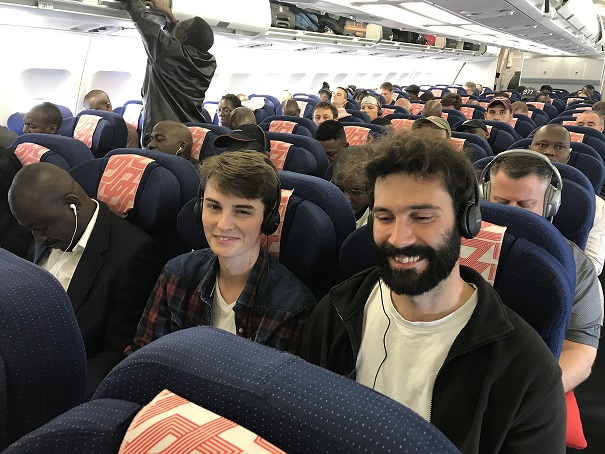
x,y
171,137
40,198
97,100
242,116
45,118
553,141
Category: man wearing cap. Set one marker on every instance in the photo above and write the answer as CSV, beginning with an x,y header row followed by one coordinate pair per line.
x,y
413,91
499,109
371,107
528,93
441,128
476,127
247,138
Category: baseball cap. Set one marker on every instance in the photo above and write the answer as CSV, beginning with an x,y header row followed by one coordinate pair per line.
x,y
504,101
528,93
245,133
369,100
436,121
468,124
412,88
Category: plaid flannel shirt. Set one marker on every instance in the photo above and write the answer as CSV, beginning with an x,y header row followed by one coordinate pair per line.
x,y
271,310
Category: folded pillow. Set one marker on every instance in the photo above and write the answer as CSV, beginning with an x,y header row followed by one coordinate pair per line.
x,y
574,435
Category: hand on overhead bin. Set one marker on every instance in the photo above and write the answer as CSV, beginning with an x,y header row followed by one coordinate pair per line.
x,y
161,6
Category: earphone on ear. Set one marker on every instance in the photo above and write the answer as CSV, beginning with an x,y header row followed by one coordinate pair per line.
x,y
552,196
73,208
379,110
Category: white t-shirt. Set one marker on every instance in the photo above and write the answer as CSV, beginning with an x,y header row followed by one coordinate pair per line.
x,y
415,350
223,316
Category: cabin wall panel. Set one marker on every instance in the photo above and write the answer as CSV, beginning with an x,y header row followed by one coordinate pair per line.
x,y
483,73
570,73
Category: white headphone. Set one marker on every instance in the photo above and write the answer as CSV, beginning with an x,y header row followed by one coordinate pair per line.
x,y
58,265
74,209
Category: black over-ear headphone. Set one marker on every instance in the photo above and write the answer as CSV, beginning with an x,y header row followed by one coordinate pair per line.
x,y
379,109
270,221
267,143
552,197
469,218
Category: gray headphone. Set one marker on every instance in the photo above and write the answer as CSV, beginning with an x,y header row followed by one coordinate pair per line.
x,y
552,197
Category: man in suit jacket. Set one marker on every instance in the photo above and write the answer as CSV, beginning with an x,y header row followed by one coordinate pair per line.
x,y
107,265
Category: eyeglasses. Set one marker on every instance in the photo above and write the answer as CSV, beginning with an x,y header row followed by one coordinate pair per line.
x,y
350,192
225,111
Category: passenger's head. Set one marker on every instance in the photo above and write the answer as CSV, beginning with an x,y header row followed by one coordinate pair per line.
x,y
546,88
40,198
386,90
476,127
246,138
331,135
433,126
9,166
324,111
371,106
543,97
599,106
480,88
225,106
519,107
195,32
427,96
45,118
242,116
349,176
340,97
591,119
521,181
290,107
404,102
470,88
418,187
499,109
553,141
589,90
325,95
97,100
382,121
171,137
238,190
412,91
359,95
432,109
452,101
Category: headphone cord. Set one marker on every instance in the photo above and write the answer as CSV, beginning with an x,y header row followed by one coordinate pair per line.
x,y
384,337
56,267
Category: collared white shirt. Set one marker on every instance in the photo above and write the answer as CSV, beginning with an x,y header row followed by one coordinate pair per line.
x,y
63,264
595,245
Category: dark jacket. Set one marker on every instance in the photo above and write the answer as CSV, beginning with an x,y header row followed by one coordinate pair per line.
x,y
177,74
109,289
499,389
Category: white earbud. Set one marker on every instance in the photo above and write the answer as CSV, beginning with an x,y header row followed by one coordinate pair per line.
x,y
74,209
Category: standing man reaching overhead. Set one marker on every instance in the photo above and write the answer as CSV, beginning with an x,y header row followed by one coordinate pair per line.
x,y
179,67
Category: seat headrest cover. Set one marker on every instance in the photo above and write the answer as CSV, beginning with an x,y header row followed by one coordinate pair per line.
x,y
131,114
467,112
272,242
85,128
30,153
282,126
457,143
402,123
482,253
120,182
356,135
576,136
279,153
198,134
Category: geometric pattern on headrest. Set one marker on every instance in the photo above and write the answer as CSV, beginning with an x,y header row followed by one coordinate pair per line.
x,y
467,112
386,111
394,96
569,123
484,104
132,113
576,114
402,123
539,105
279,153
120,181
513,122
415,109
444,115
171,424
282,126
576,136
482,253
570,100
356,135
29,153
584,108
457,143
198,134
436,92
302,105
489,128
272,242
85,128
464,98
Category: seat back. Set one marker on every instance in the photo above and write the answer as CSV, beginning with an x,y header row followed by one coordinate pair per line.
x,y
15,122
286,156
471,111
286,127
359,134
132,112
64,152
453,116
588,136
148,188
474,139
42,358
120,132
473,152
535,276
359,115
306,122
96,132
524,125
500,138
281,398
203,142
309,144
